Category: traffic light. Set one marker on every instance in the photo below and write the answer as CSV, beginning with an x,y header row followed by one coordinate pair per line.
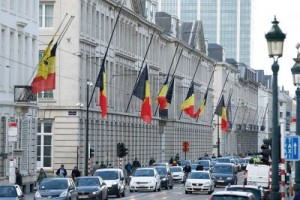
x,y
266,150
121,150
92,153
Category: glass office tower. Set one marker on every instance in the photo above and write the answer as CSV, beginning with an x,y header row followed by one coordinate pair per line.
x,y
225,22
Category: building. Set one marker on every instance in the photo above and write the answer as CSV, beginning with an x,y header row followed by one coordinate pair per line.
x,y
227,23
18,108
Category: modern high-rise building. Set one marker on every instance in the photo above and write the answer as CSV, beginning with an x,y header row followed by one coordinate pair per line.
x,y
227,23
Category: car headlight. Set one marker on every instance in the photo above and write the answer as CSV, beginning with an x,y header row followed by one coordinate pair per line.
x,y
229,178
115,183
206,184
94,192
164,179
37,194
188,183
64,193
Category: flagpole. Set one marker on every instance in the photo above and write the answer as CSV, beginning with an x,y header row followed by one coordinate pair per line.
x,y
60,37
221,94
105,55
207,87
193,79
170,71
140,69
237,107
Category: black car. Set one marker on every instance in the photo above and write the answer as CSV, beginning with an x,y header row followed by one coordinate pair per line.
x,y
91,187
56,188
224,173
166,178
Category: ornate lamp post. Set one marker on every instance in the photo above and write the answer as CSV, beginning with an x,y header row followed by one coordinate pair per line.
x,y
296,78
275,39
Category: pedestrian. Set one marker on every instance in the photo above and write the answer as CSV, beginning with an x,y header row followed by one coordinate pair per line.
x,y
128,168
171,161
199,167
177,157
41,177
151,161
174,163
136,164
110,166
213,156
19,180
75,173
96,166
102,165
61,172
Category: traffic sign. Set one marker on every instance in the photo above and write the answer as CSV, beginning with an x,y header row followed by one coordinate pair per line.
x,y
291,148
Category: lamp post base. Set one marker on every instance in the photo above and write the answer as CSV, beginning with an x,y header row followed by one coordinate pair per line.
x,y
275,196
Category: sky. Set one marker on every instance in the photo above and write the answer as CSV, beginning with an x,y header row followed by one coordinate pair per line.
x,y
287,12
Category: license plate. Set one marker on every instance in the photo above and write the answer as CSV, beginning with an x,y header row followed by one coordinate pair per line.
x,y
221,181
83,197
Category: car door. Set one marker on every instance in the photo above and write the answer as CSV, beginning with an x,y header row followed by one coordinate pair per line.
x,y
72,190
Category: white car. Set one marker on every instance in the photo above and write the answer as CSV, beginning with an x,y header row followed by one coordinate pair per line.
x,y
177,173
199,181
145,179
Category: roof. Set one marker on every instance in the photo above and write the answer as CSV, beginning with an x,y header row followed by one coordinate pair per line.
x,y
233,193
246,186
108,169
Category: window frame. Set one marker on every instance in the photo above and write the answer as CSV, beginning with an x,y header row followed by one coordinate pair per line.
x,y
43,15
42,145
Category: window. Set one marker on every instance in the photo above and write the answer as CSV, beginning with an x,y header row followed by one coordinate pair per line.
x,y
281,103
44,144
280,114
46,15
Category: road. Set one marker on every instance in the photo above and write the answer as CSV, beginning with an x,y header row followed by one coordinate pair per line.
x,y
177,193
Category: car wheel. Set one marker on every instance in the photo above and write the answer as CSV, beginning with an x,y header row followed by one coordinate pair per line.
x,y
171,187
167,187
159,189
123,193
130,191
186,192
118,194
210,190
155,188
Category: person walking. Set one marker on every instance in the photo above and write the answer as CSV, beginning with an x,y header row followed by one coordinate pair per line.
x,y
41,177
75,173
136,164
19,180
61,172
102,166
96,166
128,168
151,161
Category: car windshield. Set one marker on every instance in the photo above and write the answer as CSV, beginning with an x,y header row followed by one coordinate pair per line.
x,y
223,160
107,175
194,166
176,169
199,176
242,160
87,182
161,170
54,184
146,172
8,191
184,162
204,163
256,192
222,169
228,197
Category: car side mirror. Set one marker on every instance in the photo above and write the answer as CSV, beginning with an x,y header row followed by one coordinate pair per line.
x,y
103,183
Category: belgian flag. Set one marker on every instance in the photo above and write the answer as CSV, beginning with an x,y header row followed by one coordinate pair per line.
x,y
203,104
188,105
221,111
142,91
161,99
169,94
101,83
45,78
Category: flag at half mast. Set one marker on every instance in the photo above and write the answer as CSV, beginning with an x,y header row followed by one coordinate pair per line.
x,y
101,83
45,78
188,105
221,111
142,91
161,99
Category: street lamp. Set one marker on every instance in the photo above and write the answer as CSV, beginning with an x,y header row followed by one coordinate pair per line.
x,y
275,39
296,78
86,171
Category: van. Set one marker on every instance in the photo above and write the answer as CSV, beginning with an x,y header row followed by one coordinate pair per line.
x,y
257,174
114,179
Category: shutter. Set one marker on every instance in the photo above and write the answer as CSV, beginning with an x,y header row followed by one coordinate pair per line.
x,y
32,145
2,144
24,145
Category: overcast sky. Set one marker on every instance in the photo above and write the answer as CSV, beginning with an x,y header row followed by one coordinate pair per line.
x,y
288,14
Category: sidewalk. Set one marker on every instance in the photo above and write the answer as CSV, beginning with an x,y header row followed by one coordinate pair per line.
x,y
29,196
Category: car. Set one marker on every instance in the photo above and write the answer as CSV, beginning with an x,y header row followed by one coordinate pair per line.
x,y
204,163
11,192
223,160
234,162
91,187
160,164
183,163
166,178
145,179
56,188
193,167
199,181
177,173
243,163
224,174
257,174
232,195
114,179
256,190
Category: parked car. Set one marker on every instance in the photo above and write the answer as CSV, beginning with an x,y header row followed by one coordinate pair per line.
x,y
224,173
145,179
177,173
199,181
11,192
91,187
257,191
232,195
166,178
56,188
114,179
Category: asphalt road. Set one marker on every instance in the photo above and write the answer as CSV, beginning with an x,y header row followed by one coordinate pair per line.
x,y
177,193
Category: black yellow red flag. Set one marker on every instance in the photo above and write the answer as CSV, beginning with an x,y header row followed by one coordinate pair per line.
x,y
221,111
101,83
